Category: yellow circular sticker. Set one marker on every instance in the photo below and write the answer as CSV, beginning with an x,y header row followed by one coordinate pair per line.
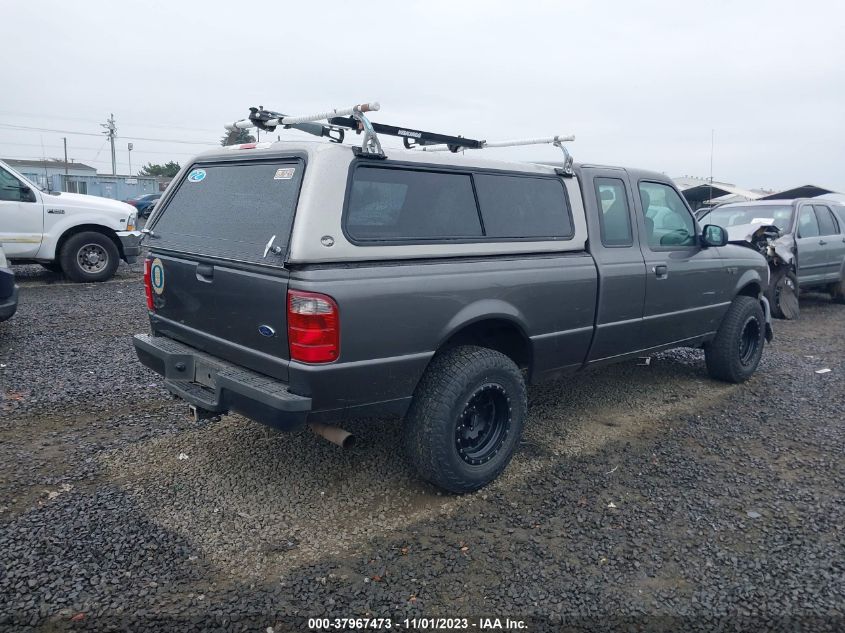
x,y
157,276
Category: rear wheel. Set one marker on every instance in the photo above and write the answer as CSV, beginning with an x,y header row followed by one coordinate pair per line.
x,y
734,354
466,418
782,294
89,256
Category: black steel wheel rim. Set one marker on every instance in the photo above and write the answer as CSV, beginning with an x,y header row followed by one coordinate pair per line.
x,y
484,424
749,340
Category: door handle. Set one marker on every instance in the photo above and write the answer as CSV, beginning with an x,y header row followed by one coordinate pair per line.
x,y
661,271
205,272
822,242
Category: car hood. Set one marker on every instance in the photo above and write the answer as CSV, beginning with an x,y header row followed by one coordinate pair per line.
x,y
765,238
92,203
751,233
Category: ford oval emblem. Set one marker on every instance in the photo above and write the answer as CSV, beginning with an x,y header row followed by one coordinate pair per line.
x,y
266,330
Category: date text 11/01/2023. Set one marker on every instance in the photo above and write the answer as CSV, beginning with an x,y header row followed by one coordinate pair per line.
x,y
416,624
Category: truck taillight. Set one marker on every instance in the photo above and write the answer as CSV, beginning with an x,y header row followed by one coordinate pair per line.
x,y
313,327
148,283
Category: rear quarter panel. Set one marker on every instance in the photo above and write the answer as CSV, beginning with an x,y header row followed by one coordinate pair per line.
x,y
395,316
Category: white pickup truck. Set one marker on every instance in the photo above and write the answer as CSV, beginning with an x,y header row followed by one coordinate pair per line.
x,y
82,236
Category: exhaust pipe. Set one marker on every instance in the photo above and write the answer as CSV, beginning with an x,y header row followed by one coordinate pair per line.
x,y
333,434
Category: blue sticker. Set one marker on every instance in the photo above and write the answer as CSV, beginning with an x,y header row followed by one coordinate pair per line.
x,y
198,175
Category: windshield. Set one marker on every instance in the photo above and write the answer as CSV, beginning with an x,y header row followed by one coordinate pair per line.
x,y
780,216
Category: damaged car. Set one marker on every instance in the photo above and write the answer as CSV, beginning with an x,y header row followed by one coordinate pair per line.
x,y
803,240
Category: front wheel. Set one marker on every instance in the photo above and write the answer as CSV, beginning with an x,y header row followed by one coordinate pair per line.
x,y
89,256
735,352
466,418
782,294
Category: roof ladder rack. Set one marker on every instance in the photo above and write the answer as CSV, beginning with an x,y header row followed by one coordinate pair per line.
x,y
355,119
268,120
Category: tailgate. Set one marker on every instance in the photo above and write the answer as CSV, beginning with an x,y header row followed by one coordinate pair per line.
x,y
237,315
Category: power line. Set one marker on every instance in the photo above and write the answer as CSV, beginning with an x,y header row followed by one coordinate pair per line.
x,y
130,138
84,148
153,125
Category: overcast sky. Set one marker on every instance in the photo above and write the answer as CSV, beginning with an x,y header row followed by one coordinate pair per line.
x,y
639,83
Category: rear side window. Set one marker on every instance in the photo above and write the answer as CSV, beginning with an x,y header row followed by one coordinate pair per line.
x,y
839,214
523,206
827,225
402,204
232,211
615,218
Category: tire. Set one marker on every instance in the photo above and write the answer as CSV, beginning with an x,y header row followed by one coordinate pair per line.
x,y
782,294
53,267
466,418
734,354
89,256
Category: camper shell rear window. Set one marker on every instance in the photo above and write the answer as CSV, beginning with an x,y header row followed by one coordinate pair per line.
x,y
231,210
408,204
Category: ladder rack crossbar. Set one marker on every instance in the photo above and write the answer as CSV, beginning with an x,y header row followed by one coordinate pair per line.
x,y
547,140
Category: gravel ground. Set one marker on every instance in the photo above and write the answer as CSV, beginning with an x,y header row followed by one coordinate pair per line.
x,y
642,498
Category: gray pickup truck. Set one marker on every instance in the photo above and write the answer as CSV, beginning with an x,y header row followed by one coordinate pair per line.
x,y
307,283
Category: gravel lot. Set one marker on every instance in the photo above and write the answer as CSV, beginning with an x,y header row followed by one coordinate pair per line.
x,y
643,497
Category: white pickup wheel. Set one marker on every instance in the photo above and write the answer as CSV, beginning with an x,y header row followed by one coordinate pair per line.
x,y
89,256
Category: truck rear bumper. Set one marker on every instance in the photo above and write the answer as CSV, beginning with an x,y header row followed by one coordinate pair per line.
x,y
130,242
220,387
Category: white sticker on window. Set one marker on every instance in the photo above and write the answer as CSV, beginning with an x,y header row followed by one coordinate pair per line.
x,y
762,221
285,173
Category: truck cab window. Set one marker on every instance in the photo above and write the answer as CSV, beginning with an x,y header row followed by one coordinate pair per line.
x,y
808,226
614,215
11,188
668,223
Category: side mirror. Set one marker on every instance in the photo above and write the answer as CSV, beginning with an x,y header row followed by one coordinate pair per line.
x,y
713,235
27,194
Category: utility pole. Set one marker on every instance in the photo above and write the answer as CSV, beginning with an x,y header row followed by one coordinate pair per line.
x,y
111,133
64,138
129,149
712,147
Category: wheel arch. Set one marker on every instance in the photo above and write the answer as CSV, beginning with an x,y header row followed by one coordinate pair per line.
x,y
499,331
83,228
749,284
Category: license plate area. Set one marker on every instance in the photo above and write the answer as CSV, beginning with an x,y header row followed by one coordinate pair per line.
x,y
204,374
